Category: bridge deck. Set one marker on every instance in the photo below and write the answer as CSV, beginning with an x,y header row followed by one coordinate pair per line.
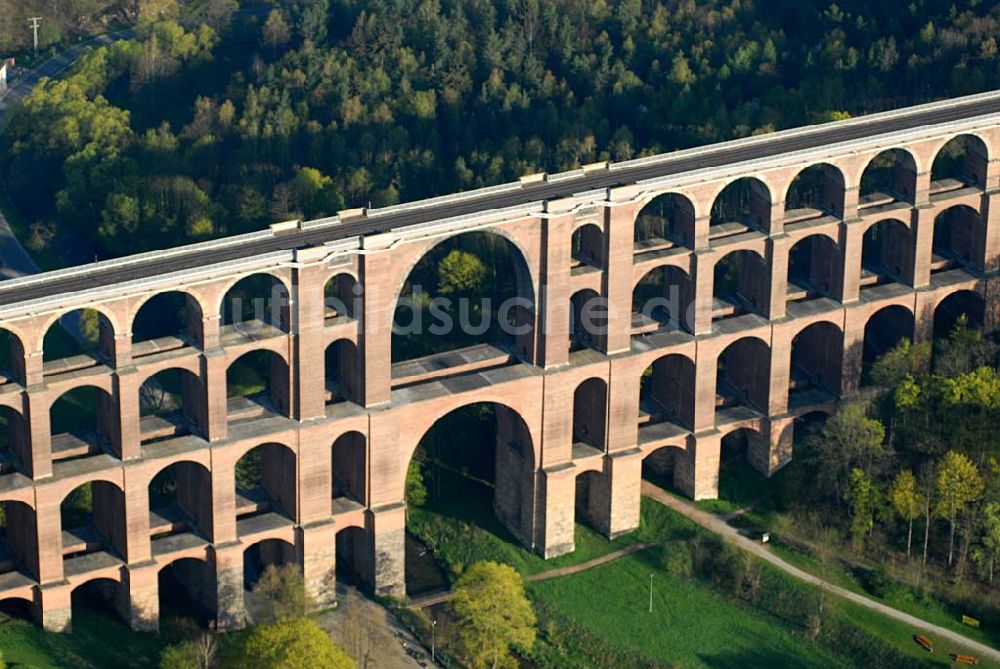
x,y
724,154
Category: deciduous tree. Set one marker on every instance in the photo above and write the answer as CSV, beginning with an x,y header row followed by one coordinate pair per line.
x,y
494,615
959,483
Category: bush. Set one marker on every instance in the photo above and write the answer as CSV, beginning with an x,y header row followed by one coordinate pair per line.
x,y
677,561
876,582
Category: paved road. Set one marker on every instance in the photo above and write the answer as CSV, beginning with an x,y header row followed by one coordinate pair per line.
x,y
717,525
817,136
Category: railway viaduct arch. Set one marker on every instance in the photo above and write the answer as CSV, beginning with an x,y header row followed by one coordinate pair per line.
x,y
781,272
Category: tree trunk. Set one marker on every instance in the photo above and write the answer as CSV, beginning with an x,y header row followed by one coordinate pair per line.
x,y
951,540
927,528
909,539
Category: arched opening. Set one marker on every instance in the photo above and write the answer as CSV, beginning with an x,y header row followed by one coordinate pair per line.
x,y
588,322
740,285
265,483
660,467
475,464
959,239
662,301
587,247
817,365
256,307
886,254
889,177
738,451
352,556
18,608
816,191
349,466
470,291
588,505
743,205
101,601
165,322
341,298
14,446
79,339
961,162
186,590
814,268
590,416
343,372
667,221
257,385
885,329
180,501
256,559
743,377
11,358
962,303
18,538
667,393
93,520
83,423
172,403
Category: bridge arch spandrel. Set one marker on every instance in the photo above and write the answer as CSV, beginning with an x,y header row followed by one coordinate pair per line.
x,y
114,312
135,304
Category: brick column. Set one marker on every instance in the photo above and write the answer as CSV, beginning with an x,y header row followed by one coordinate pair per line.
x,y
307,334
556,496
223,501
213,375
126,387
230,612
851,244
143,587
623,407
315,475
923,236
211,327
621,495
780,375
50,554
620,233
554,304
36,405
706,370
375,335
696,470
854,342
387,528
317,549
778,248
990,210
137,537
33,368
773,450
56,607
703,278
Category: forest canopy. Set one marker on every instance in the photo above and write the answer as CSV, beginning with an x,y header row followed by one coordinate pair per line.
x,y
213,121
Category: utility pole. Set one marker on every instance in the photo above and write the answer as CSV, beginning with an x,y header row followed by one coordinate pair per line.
x,y
35,21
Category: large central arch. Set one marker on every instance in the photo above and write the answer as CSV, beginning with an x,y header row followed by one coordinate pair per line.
x,y
464,279
475,455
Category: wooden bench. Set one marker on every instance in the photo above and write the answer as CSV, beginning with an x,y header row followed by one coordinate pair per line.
x,y
924,642
966,659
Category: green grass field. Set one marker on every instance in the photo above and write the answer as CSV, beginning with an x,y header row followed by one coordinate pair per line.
x,y
690,625
98,641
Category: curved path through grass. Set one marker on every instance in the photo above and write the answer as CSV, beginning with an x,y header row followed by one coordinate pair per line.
x,y
731,534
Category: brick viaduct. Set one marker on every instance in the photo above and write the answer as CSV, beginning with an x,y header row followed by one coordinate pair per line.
x,y
779,293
